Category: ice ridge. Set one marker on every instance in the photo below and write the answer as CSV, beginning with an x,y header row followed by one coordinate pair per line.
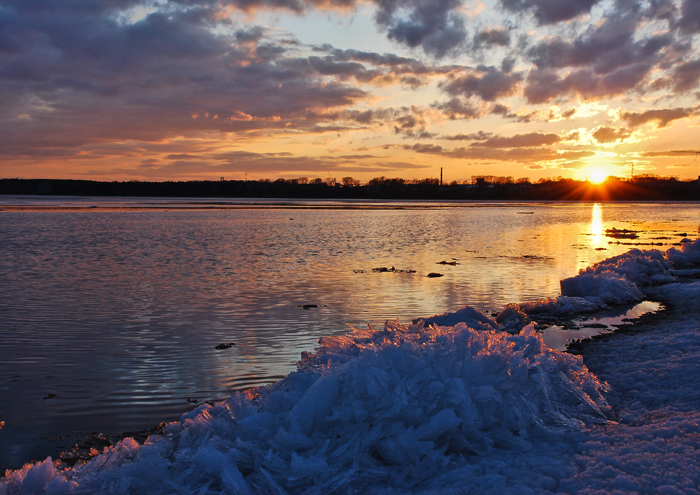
x,y
391,406
617,280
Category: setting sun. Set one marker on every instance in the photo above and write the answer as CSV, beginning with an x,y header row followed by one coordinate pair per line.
x,y
597,176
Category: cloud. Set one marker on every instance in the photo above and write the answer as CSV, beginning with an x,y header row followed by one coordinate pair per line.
x,y
265,163
71,82
686,76
520,154
543,86
488,140
605,134
604,47
491,37
550,11
81,80
478,136
434,25
488,83
661,117
425,148
671,153
528,140
690,17
459,109
607,59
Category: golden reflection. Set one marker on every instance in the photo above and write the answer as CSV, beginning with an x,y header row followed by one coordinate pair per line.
x,y
597,224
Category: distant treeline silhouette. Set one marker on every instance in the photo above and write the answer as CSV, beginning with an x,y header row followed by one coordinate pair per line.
x,y
640,188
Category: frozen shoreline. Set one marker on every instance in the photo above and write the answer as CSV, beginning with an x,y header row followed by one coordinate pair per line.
x,y
473,404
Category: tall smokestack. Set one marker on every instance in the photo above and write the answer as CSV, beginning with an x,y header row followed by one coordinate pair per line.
x,y
440,175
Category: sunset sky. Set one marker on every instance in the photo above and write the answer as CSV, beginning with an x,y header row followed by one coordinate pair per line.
x,y
202,89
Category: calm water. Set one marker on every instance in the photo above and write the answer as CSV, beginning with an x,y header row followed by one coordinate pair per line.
x,y
116,306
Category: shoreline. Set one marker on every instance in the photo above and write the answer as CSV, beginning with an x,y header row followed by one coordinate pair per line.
x,y
84,451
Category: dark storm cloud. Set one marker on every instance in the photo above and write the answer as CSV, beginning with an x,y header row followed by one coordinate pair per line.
x,y
433,25
488,83
550,11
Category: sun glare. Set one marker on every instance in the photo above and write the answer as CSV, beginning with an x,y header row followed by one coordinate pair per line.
x,y
597,176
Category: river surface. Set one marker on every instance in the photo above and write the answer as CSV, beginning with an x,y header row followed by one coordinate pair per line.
x,y
112,308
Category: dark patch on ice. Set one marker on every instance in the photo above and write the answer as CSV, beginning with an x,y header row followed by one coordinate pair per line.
x,y
312,306
435,275
528,257
638,243
443,262
225,346
621,233
193,401
51,396
383,269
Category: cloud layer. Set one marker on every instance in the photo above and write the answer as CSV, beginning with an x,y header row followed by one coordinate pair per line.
x,y
171,87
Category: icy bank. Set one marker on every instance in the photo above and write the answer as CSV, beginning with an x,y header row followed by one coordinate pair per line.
x,y
618,280
390,407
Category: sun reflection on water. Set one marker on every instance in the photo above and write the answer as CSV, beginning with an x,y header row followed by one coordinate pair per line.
x,y
597,224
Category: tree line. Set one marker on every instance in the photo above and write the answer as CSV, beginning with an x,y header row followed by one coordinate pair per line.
x,y
643,187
